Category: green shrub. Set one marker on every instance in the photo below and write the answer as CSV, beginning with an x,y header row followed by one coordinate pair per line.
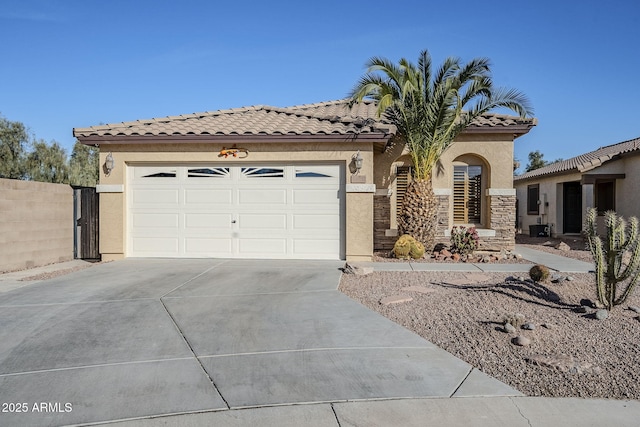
x,y
539,273
464,240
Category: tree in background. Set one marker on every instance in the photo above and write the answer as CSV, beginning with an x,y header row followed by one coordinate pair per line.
x,y
37,160
47,163
536,161
84,165
13,142
430,108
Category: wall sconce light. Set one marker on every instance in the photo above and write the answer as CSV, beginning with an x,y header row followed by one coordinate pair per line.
x,y
357,160
109,164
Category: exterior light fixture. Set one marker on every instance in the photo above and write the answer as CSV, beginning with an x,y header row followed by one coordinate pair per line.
x,y
357,160
109,164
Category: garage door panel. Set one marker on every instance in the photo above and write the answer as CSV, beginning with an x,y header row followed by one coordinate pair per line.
x,y
304,196
317,246
162,246
263,247
262,222
209,197
210,247
151,220
156,197
262,196
208,221
316,222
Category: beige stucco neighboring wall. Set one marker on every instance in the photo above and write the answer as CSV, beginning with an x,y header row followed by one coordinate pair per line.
x,y
358,206
36,224
550,209
551,193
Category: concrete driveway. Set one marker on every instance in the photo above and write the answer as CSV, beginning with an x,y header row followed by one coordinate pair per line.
x,y
140,338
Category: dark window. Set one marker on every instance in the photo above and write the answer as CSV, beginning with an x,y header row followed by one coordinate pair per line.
x,y
533,197
605,196
161,175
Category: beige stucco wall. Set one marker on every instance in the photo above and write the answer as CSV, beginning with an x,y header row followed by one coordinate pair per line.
x,y
551,190
36,224
493,151
113,226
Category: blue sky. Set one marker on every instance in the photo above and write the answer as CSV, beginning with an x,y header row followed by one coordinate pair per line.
x,y
69,63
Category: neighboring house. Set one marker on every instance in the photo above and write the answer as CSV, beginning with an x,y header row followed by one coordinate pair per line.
x,y
292,189
556,196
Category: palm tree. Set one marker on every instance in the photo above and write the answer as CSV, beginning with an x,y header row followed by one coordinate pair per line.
x,y
430,110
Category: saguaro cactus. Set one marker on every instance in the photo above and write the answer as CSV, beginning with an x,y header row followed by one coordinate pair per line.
x,y
611,269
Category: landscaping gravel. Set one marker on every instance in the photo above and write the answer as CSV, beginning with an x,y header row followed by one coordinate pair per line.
x,y
566,354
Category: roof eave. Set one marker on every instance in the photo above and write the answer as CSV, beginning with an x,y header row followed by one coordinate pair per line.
x,y
516,130
245,139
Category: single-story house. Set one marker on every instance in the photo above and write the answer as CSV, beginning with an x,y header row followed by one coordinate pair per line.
x,y
316,181
553,200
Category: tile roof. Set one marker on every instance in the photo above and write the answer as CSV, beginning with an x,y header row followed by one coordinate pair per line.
x,y
325,118
584,162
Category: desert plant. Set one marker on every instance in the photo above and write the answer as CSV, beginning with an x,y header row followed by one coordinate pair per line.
x,y
417,250
407,247
609,256
539,273
464,240
515,319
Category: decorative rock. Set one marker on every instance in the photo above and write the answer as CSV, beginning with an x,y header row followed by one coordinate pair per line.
x,y
521,278
358,270
509,328
569,279
556,278
518,257
563,247
521,341
529,326
455,257
549,325
634,308
395,299
602,314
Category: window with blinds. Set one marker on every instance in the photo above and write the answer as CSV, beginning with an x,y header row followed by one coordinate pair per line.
x,y
467,194
403,173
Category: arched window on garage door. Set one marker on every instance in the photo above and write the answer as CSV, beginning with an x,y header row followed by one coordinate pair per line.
x,y
467,194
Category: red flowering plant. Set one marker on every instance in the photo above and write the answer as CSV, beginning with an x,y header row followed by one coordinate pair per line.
x,y
464,240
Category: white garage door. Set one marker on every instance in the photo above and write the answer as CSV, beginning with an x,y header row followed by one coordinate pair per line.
x,y
246,211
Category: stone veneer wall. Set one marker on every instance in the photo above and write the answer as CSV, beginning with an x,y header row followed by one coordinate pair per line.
x,y
381,223
503,221
443,219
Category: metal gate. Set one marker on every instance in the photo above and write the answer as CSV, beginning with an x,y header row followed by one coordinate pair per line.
x,y
86,207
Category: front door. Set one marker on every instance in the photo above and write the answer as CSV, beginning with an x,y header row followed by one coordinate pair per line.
x,y
572,207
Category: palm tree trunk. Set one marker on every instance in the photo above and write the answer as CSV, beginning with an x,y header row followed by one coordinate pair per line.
x,y
419,217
